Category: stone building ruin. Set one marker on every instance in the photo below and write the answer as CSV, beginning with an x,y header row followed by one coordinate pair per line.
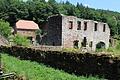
x,y
73,32
28,29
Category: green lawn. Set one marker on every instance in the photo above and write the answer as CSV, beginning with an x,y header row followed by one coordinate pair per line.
x,y
35,71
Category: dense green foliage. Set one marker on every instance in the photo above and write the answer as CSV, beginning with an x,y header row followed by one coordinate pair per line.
x,y
5,29
116,49
39,10
21,40
35,71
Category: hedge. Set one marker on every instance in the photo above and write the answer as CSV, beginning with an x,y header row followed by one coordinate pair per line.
x,y
103,65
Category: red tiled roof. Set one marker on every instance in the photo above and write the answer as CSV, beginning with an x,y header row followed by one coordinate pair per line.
x,y
25,24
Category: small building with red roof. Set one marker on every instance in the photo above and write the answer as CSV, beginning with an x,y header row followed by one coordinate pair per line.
x,y
27,28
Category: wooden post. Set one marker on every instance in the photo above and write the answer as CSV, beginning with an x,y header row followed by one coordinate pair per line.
x,y
1,72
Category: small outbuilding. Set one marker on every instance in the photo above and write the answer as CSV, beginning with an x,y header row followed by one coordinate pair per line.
x,y
27,28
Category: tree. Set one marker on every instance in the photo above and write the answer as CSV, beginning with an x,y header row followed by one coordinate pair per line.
x,y
5,29
118,26
54,6
39,10
39,35
8,10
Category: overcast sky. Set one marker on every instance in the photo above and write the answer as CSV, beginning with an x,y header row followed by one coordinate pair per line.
x,y
113,5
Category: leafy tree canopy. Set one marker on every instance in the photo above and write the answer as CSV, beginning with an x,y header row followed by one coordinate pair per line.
x,y
39,10
5,29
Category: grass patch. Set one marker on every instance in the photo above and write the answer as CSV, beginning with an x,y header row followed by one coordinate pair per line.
x,y
112,50
115,50
35,71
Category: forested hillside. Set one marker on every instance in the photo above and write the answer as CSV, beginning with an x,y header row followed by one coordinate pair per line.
x,y
39,10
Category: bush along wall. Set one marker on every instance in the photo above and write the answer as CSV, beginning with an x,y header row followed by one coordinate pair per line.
x,y
103,65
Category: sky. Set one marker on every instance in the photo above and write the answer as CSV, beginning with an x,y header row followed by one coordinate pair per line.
x,y
113,5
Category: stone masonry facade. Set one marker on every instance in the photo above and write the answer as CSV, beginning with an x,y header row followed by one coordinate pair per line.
x,y
73,32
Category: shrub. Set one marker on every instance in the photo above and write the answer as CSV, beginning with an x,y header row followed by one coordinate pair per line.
x,y
118,45
5,29
110,49
21,40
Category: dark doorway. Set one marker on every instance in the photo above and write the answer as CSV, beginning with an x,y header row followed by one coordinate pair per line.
x,y
76,44
91,44
84,42
53,43
30,38
100,45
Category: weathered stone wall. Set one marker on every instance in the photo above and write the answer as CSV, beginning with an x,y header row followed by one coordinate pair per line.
x,y
100,64
100,36
54,32
47,48
27,33
70,35
60,34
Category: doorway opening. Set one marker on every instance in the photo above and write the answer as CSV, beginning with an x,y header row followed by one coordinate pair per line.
x,y
53,43
84,42
76,44
100,45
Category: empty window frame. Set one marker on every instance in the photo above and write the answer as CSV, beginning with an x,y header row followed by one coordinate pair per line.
x,y
70,24
95,27
85,26
104,27
78,25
